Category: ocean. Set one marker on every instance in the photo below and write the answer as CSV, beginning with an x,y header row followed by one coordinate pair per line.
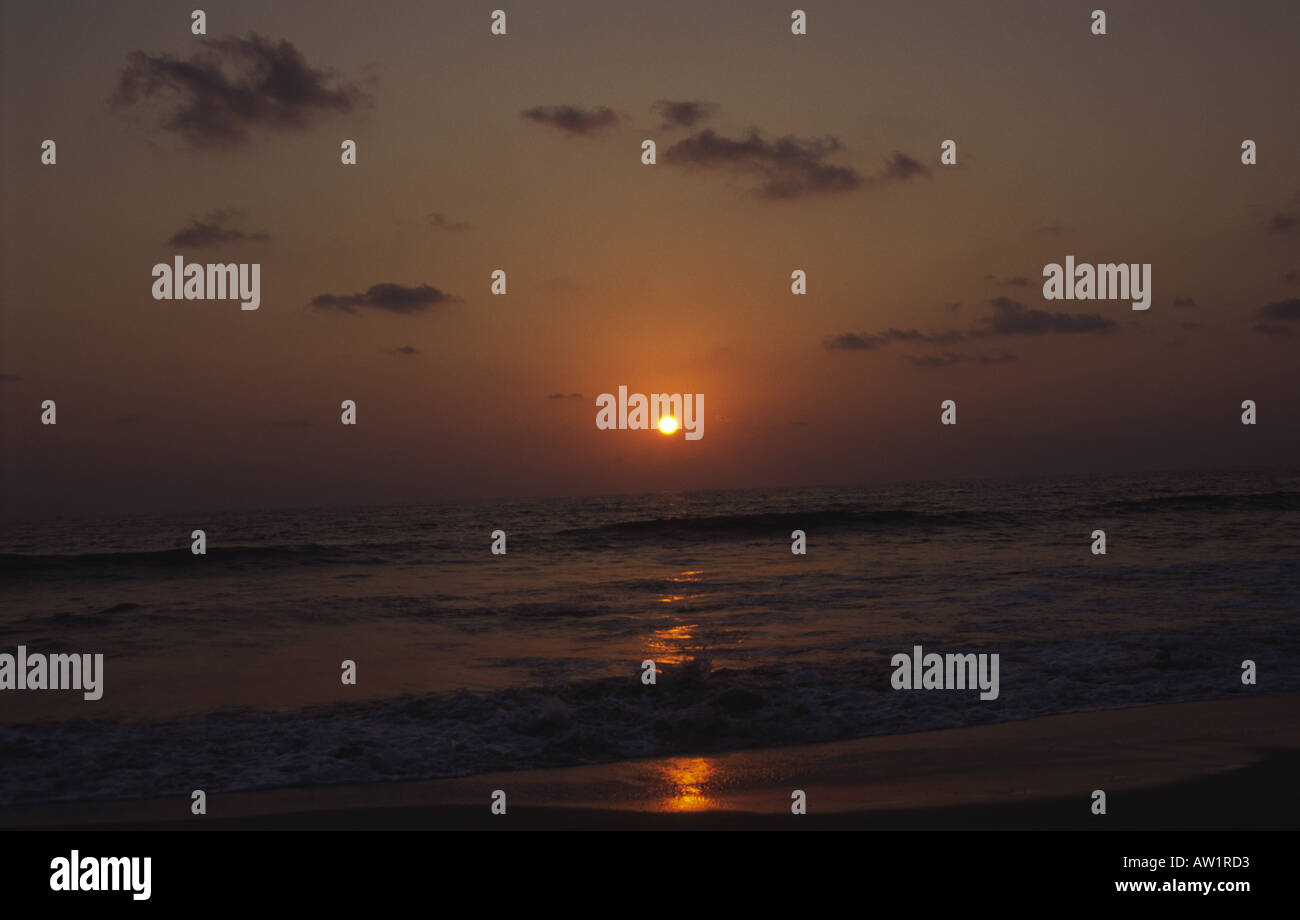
x,y
222,671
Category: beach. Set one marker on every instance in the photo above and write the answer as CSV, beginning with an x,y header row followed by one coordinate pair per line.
x,y
1224,764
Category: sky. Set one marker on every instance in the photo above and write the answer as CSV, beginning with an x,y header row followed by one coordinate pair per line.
x,y
522,152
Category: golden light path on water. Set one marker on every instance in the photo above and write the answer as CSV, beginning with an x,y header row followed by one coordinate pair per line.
x,y
686,782
674,644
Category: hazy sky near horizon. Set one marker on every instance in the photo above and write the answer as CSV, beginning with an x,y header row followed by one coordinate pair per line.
x,y
523,152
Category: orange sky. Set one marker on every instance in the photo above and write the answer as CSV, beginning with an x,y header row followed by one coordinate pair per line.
x,y
666,278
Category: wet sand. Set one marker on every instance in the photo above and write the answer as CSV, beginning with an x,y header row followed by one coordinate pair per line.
x,y
1215,765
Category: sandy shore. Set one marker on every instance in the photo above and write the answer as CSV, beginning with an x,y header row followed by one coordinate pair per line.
x,y
1225,764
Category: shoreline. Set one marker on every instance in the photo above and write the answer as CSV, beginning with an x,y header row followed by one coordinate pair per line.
x,y
1224,764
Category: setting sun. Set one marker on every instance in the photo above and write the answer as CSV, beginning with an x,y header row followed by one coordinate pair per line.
x,y
668,424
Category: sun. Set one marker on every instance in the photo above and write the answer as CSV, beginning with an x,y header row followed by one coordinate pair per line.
x,y
668,424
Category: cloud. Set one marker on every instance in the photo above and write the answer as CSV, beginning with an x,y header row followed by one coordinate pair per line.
x,y
1049,228
564,396
912,335
1010,317
869,341
949,358
439,220
683,114
394,298
10,378
212,230
233,85
1184,302
902,167
1018,281
1284,223
572,119
403,350
787,167
1291,277
852,341
952,307
1287,311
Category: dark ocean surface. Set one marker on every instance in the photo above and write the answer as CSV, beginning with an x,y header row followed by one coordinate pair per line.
x,y
222,671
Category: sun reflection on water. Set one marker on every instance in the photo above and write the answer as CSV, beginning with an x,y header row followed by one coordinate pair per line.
x,y
681,578
687,782
672,644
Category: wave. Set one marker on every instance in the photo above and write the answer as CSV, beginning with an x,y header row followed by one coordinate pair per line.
x,y
182,558
459,540
1212,502
769,522
693,710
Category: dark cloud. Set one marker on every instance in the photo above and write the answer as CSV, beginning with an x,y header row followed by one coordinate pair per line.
x,y
1018,281
933,338
869,341
1010,317
683,114
1049,228
403,350
1273,331
1287,311
1184,302
564,396
1291,276
901,167
232,85
394,298
852,341
439,220
10,378
787,167
949,358
572,119
213,229
952,307
1284,223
